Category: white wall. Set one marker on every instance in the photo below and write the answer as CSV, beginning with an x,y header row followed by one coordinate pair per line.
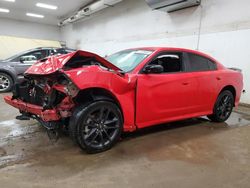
x,y
225,31
26,35
16,28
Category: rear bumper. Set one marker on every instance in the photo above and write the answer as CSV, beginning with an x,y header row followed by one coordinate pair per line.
x,y
45,115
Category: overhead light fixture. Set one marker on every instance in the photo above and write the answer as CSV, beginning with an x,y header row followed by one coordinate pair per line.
x,y
10,0
43,5
4,10
88,10
35,15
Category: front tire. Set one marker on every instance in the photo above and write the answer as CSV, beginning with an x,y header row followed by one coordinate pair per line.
x,y
97,126
223,107
6,82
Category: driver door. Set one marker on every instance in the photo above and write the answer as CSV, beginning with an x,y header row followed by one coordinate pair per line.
x,y
165,96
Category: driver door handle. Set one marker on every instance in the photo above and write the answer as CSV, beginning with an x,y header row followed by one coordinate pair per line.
x,y
185,83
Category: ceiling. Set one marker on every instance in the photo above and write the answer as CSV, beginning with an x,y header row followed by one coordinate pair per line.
x,y
19,8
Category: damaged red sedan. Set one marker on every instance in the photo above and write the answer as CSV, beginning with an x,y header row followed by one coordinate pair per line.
x,y
96,98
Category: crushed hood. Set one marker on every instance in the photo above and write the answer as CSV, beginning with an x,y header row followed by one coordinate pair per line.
x,y
54,63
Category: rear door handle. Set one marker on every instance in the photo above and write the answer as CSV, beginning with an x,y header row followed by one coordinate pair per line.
x,y
218,78
185,83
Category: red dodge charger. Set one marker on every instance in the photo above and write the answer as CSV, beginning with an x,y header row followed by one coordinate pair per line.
x,y
96,99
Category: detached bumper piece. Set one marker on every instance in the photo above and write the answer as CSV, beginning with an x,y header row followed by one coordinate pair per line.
x,y
45,115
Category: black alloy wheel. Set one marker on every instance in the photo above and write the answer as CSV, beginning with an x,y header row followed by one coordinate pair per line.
x,y
98,126
223,107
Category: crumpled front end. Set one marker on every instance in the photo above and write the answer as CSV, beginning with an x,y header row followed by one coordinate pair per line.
x,y
47,93
54,86
47,98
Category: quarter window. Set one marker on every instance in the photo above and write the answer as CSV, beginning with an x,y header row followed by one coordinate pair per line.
x,y
199,63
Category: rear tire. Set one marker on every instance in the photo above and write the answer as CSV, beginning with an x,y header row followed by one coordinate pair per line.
x,y
6,82
96,126
223,107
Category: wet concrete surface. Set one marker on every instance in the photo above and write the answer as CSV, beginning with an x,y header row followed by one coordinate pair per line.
x,y
191,153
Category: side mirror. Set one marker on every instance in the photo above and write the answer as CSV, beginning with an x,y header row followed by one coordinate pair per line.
x,y
153,69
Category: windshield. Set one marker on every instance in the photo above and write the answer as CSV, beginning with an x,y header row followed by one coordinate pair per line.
x,y
127,60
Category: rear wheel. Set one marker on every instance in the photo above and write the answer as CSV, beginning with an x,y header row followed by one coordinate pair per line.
x,y
6,82
223,107
98,126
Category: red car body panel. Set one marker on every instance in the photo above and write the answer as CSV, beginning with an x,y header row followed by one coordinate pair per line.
x,y
146,99
46,115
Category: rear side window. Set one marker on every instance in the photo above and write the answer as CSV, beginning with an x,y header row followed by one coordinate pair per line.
x,y
199,63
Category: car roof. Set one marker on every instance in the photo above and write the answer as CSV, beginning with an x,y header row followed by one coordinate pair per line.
x,y
159,49
165,48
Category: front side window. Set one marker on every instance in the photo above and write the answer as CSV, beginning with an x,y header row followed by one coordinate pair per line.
x,y
199,63
127,60
171,62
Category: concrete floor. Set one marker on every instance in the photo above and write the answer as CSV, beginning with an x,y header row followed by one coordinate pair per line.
x,y
192,154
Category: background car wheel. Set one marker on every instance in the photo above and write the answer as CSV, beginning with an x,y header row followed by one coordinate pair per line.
x,y
223,107
6,82
98,126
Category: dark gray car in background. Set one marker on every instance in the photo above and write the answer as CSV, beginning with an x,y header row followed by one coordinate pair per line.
x,y
12,69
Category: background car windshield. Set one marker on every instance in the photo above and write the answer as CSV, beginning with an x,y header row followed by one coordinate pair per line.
x,y
127,60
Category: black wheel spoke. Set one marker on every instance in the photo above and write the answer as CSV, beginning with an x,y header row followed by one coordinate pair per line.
x,y
94,137
90,133
106,133
91,125
108,122
92,118
102,138
226,100
111,127
106,115
101,113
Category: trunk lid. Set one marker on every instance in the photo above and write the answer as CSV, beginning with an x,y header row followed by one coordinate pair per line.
x,y
54,63
235,69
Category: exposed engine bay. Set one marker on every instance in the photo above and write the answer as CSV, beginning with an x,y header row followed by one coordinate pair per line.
x,y
47,92
53,92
